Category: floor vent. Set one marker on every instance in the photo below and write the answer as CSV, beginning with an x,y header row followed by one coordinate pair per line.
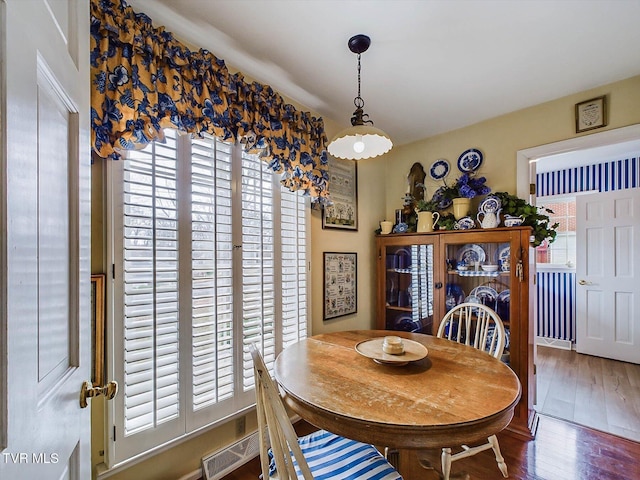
x,y
224,461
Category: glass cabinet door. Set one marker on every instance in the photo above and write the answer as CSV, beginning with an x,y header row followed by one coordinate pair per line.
x,y
480,272
409,292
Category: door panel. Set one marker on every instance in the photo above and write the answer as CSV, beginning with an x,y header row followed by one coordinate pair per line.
x,y
608,294
47,238
55,334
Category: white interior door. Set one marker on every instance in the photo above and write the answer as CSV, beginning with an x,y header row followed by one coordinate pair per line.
x,y
608,263
46,239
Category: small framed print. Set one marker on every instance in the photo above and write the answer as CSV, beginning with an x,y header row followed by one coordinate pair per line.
x,y
343,191
591,114
340,284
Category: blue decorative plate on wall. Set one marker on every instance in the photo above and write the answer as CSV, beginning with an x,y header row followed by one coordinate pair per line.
x,y
439,169
470,160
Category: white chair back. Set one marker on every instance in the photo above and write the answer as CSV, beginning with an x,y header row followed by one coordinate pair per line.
x,y
476,325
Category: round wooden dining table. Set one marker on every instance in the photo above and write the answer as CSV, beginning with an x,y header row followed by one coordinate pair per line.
x,y
455,395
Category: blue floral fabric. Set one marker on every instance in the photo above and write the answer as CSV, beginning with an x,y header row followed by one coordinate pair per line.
x,y
144,80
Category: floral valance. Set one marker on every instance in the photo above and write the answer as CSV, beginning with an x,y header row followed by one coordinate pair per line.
x,y
143,80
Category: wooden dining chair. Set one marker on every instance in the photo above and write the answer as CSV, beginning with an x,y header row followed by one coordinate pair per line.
x,y
479,326
320,454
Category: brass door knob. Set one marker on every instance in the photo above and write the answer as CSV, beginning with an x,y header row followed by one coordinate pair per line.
x,y
584,282
87,391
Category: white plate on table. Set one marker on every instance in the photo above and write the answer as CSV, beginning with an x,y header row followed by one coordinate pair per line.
x,y
413,351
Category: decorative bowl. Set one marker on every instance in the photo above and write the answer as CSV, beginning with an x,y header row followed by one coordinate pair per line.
x,y
462,268
490,268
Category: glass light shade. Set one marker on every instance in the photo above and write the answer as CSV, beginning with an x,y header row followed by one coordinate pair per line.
x,y
376,143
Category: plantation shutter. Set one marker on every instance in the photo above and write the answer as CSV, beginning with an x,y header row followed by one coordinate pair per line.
x,y
258,267
293,219
209,254
147,296
212,272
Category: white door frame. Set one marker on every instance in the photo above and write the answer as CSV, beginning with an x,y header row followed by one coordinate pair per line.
x,y
526,169
526,165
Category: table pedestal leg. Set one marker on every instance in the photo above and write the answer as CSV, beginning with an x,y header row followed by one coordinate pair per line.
x,y
423,465
411,467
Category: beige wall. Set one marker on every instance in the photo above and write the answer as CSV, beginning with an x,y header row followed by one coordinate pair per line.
x,y
500,138
381,185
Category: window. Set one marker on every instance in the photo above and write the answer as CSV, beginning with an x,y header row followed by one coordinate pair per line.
x,y
209,254
563,250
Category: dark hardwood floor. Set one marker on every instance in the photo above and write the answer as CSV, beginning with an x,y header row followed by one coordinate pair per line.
x,y
560,451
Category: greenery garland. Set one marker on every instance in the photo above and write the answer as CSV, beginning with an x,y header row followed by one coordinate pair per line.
x,y
534,217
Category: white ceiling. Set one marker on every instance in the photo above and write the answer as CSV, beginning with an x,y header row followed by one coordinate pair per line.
x,y
433,65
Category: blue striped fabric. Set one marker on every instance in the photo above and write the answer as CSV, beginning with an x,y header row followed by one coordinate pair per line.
x,y
333,457
602,177
556,305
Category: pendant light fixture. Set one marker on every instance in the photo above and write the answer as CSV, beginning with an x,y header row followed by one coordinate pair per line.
x,y
362,139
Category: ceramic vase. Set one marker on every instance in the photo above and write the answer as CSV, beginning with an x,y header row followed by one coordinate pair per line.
x,y
426,221
461,207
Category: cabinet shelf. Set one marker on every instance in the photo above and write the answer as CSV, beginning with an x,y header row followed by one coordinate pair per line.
x,y
473,273
399,270
399,309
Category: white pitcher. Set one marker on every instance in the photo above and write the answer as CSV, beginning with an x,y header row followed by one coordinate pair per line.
x,y
426,221
489,219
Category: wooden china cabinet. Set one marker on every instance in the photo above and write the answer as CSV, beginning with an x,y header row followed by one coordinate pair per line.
x,y
421,276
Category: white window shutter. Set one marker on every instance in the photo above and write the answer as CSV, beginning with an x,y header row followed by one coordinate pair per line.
x,y
212,288
194,218
258,267
293,215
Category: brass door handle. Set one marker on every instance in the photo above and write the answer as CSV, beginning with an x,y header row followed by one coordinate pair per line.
x,y
584,282
88,391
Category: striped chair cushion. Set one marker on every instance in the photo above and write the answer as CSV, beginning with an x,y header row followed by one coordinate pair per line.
x,y
333,457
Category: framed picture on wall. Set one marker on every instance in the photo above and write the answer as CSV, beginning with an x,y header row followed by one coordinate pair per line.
x,y
340,284
343,192
591,114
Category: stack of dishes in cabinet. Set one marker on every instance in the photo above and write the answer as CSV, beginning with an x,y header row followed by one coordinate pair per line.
x,y
471,258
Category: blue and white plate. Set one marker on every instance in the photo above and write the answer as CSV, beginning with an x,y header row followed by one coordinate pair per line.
x,y
465,223
503,256
486,294
439,169
504,296
471,253
470,160
502,305
491,204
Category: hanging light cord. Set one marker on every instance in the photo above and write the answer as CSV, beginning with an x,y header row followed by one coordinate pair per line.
x,y
359,117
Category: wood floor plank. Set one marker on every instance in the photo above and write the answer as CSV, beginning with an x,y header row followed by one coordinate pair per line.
x,y
619,399
589,409
606,393
633,372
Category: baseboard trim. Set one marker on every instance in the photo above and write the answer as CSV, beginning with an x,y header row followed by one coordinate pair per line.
x,y
554,343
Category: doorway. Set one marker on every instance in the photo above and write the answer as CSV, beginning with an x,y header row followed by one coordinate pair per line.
x,y
561,368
